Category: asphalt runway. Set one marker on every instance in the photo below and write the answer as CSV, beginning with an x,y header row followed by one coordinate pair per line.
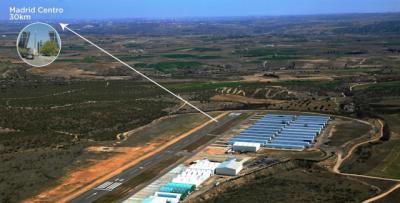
x,y
116,181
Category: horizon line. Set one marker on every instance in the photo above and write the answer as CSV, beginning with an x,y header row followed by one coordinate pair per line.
x,y
203,17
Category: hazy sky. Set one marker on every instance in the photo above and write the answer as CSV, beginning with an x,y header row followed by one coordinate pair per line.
x,y
91,9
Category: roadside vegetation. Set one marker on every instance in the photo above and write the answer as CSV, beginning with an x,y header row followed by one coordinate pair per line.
x,y
289,182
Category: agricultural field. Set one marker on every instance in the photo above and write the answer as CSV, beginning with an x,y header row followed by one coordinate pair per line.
x,y
347,130
376,159
76,112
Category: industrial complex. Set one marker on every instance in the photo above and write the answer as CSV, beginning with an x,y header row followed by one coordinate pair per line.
x,y
281,131
271,131
188,180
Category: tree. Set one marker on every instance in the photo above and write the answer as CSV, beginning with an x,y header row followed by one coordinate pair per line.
x,y
49,48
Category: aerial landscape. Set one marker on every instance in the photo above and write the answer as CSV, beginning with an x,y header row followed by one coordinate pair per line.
x,y
252,107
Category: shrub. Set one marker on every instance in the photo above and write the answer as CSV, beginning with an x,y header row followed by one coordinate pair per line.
x,y
49,48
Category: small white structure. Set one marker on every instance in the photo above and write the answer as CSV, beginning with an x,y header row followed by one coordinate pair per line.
x,y
245,146
163,197
230,167
235,114
197,173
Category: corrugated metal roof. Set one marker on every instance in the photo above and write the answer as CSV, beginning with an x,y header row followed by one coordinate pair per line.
x,y
283,130
231,163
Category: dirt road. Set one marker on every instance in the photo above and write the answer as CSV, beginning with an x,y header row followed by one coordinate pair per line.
x,y
79,182
340,160
382,195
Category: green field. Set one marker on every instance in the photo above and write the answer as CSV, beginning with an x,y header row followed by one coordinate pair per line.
x,y
380,89
393,121
170,65
206,49
390,165
380,159
134,46
328,85
183,56
348,130
271,53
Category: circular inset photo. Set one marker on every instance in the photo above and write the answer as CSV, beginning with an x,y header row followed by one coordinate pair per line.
x,y
38,44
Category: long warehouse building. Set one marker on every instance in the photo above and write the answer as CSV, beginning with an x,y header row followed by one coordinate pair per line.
x,y
283,131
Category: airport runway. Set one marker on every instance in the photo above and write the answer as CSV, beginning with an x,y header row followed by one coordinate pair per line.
x,y
116,181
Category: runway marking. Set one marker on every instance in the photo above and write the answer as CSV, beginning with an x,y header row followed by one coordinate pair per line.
x,y
65,26
104,185
108,186
75,194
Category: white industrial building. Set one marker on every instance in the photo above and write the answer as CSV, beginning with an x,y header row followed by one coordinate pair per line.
x,y
197,173
230,167
204,164
245,146
163,197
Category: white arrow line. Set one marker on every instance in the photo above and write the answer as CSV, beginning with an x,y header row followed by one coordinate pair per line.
x,y
65,26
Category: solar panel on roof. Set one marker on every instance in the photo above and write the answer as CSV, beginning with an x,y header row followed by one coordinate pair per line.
x,y
262,130
266,126
275,119
287,131
308,139
272,121
284,146
263,127
293,139
258,132
297,134
304,127
278,123
255,135
310,121
298,131
252,137
311,118
289,142
284,130
315,120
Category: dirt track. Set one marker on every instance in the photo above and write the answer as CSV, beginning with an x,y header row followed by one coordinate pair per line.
x,y
340,160
80,181
382,195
